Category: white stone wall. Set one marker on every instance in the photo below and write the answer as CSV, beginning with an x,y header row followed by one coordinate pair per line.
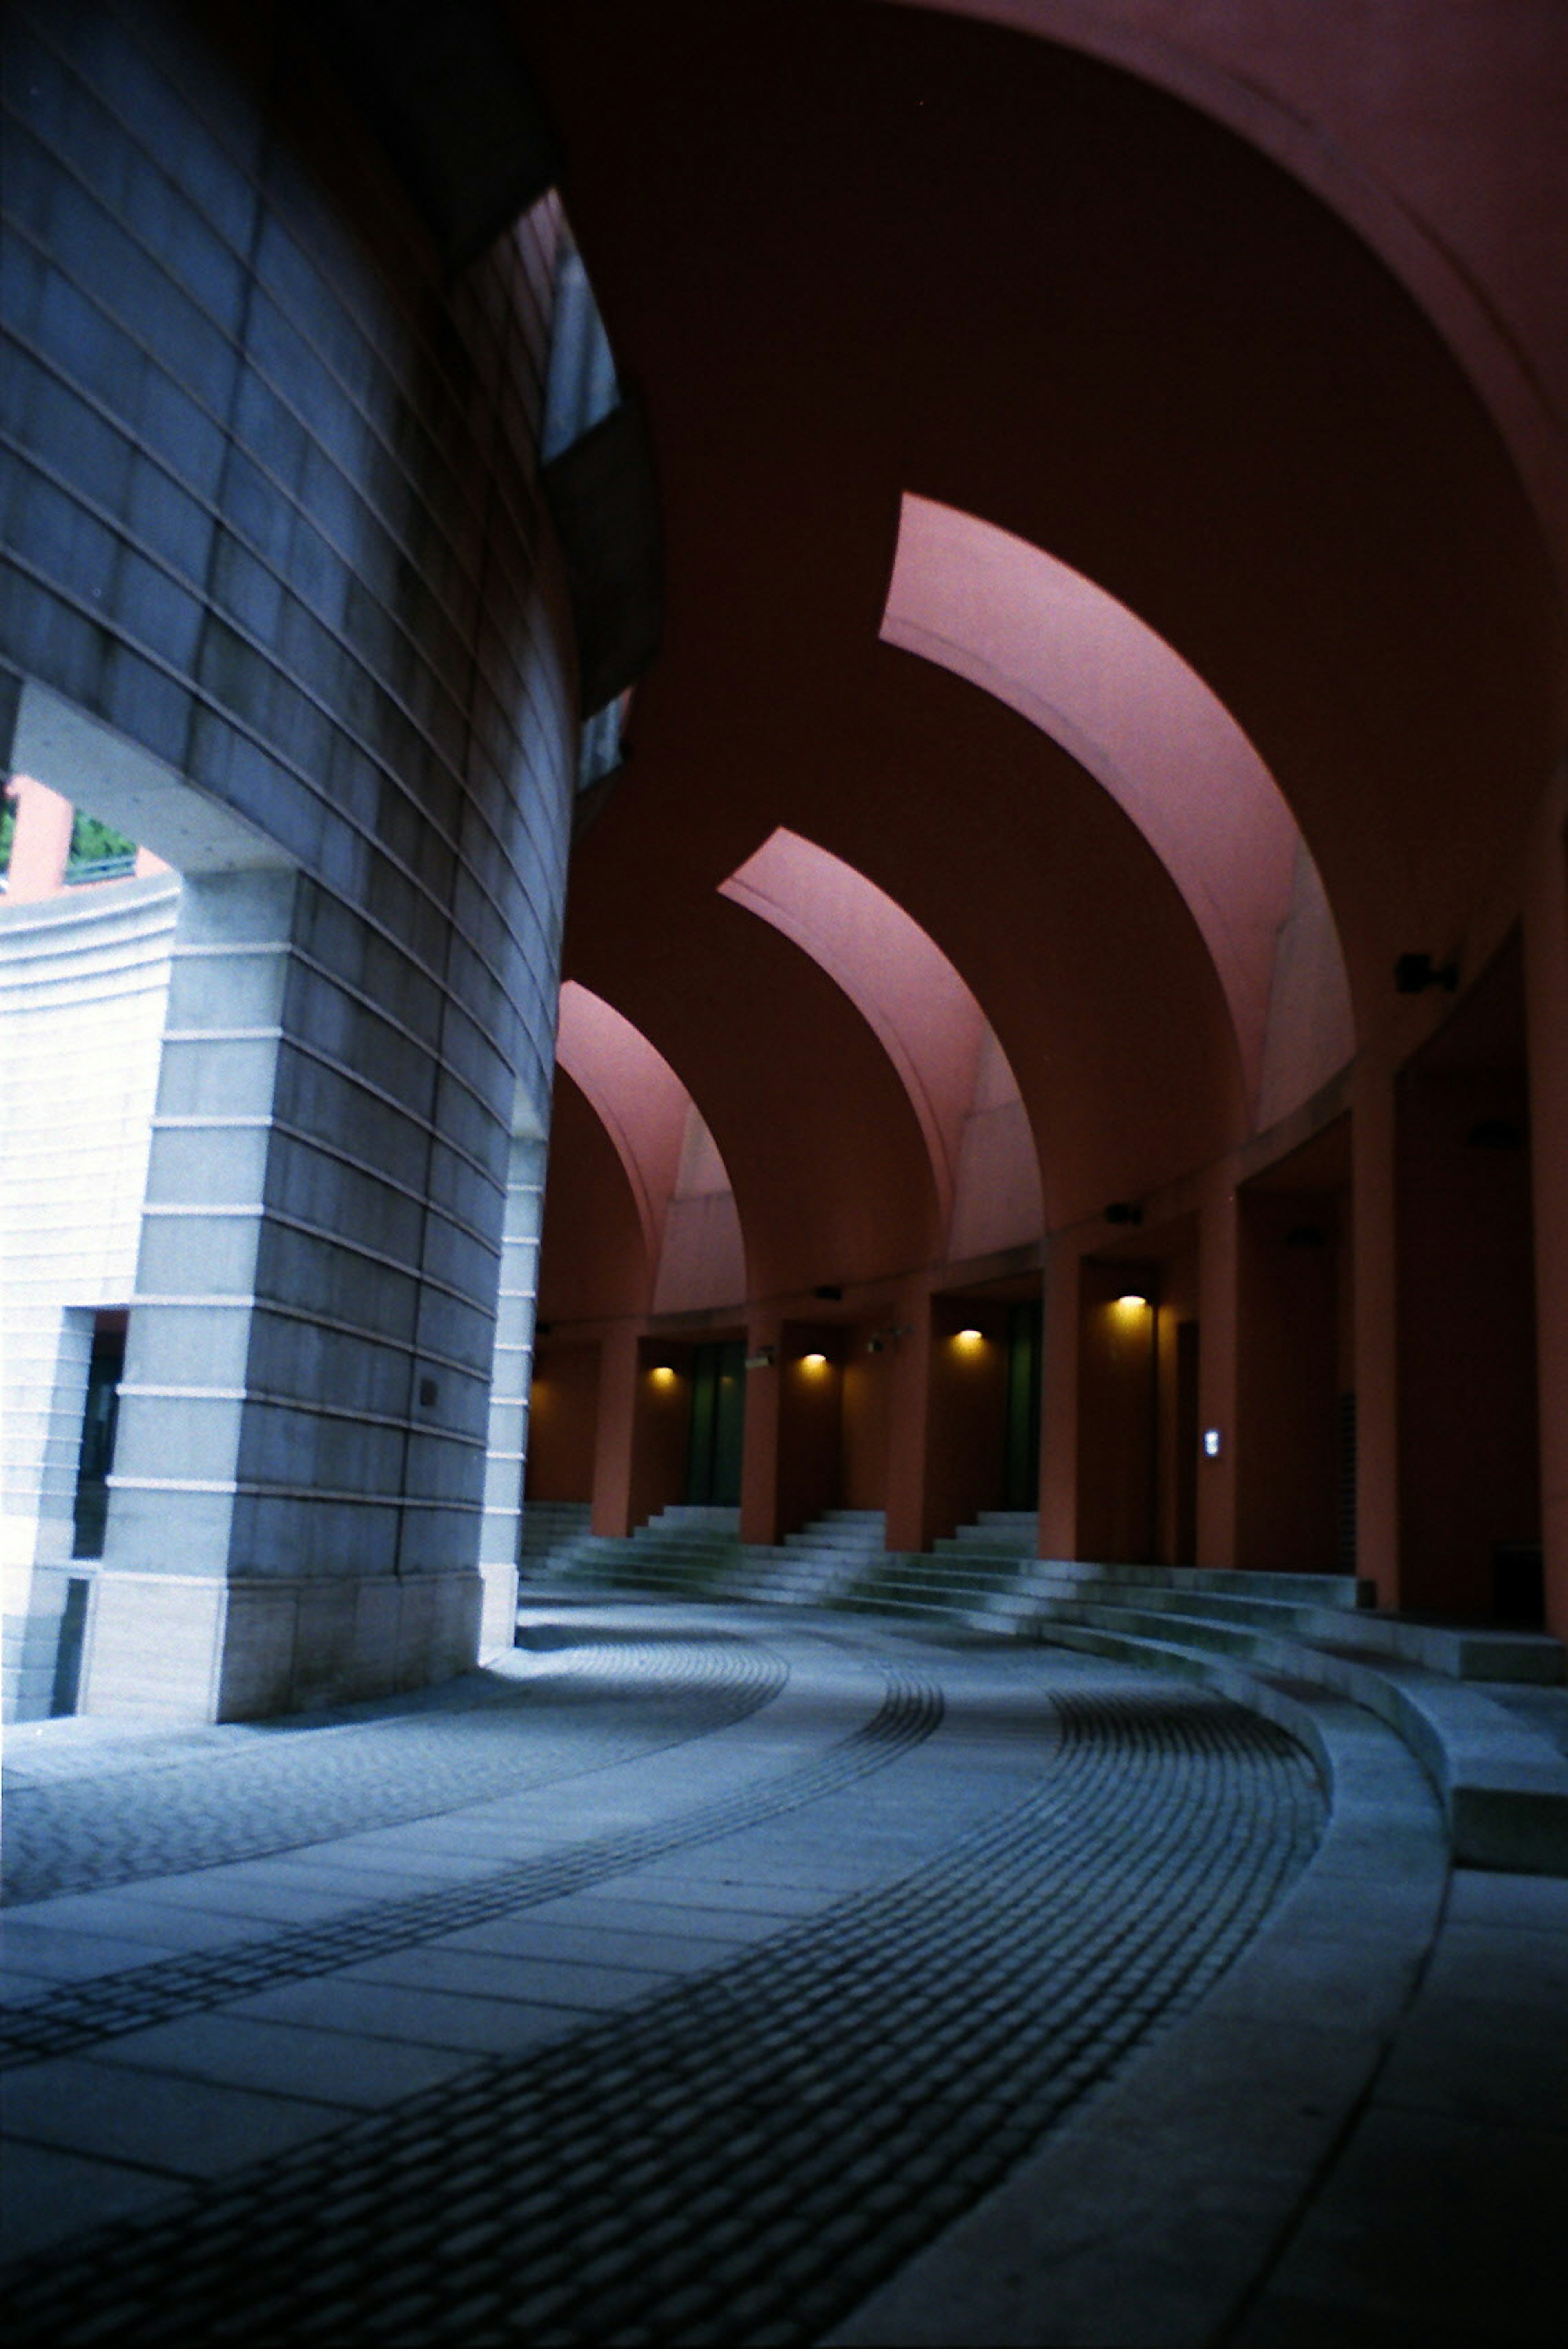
x,y
84,978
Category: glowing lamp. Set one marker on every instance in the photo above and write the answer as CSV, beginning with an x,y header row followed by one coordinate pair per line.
x,y
814,1361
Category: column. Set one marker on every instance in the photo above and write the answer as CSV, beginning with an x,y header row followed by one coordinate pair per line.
x,y
1546,1035
1218,1269
1375,1287
1059,1401
160,1639
510,1382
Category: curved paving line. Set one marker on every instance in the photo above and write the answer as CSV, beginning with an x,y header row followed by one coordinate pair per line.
x,y
205,1811
746,2154
82,2014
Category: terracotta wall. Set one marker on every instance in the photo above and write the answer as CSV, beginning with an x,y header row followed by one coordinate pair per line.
x,y
1468,1459
662,1428
966,1456
1176,1465
562,1423
1117,1420
809,1423
866,1386
1287,1449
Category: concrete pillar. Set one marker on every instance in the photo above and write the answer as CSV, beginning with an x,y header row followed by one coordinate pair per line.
x,y
511,1377
160,1636
760,1452
614,1432
1374,1226
1546,1034
908,1520
1059,1400
644,1426
1219,1366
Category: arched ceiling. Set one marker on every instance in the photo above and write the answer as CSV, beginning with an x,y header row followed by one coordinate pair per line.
x,y
678,1181
926,1020
1393,118
847,249
1084,669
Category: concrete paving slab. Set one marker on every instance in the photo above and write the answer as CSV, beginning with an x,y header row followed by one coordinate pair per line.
x,y
125,1916
627,1951
1488,2063
731,1892
235,1895
1522,1965
47,2196
1437,2222
179,2127
605,1912
18,1988
235,2051
73,1955
424,2018
1171,2192
528,1980
1486,1896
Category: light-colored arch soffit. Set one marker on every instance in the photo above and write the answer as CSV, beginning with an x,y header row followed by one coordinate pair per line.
x,y
1067,655
685,1205
928,1021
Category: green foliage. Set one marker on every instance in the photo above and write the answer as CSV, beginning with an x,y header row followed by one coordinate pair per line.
x,y
7,833
91,839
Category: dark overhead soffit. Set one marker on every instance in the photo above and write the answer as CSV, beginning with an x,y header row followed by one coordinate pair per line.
x,y
443,84
604,506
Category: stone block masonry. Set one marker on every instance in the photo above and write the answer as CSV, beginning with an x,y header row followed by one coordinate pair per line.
x,y
272,475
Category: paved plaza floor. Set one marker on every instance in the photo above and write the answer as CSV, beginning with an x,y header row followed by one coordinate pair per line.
x,y
696,1976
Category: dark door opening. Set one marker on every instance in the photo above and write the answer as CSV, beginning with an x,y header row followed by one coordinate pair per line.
x,y
718,1425
1020,1475
99,1420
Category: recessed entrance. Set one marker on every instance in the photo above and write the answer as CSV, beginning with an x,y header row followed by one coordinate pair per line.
x,y
718,1425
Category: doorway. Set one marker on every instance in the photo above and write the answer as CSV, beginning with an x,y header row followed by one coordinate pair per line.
x,y
99,1419
718,1425
1020,1478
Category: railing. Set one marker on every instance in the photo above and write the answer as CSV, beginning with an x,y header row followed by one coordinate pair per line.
x,y
99,868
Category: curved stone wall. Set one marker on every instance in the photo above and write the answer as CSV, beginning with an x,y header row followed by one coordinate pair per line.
x,y
272,517
83,977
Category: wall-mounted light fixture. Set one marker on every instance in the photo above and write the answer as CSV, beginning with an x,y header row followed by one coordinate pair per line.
x,y
1134,1299
1414,973
662,1374
1211,1443
764,1358
969,1342
880,1340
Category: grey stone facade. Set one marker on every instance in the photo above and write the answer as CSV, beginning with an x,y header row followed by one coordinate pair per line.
x,y
271,517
